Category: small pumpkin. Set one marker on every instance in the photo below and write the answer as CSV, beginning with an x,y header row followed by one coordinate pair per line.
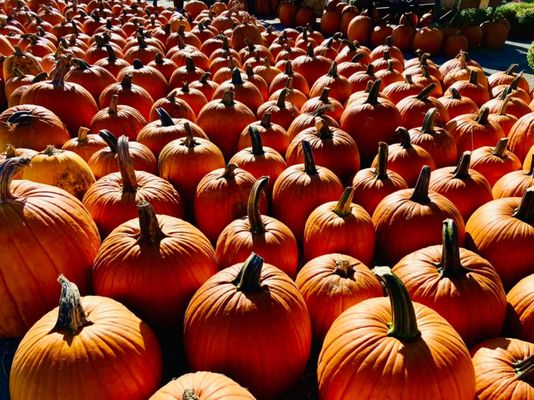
x,y
272,135
85,144
456,104
494,162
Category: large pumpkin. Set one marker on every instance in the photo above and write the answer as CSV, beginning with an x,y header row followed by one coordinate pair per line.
x,y
460,285
522,136
385,348
520,312
44,231
249,305
153,265
92,346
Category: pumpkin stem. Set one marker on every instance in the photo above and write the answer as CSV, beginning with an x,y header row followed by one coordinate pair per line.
x,y
158,58
428,121
473,77
309,51
344,269
323,129
71,316
357,57
112,57
126,82
309,161
228,98
515,82
289,69
511,69
500,148
255,140
344,204
137,64
129,180
525,370
82,134
60,70
50,150
462,169
531,171
237,80
370,70
266,120
110,139
7,170
204,78
11,151
403,324
80,64
249,277
324,95
425,92
253,206
281,102
372,98
189,64
19,117
455,94
482,117
229,171
164,117
405,140
189,394
381,170
112,108
332,72
150,232
450,264
525,211
420,192
504,105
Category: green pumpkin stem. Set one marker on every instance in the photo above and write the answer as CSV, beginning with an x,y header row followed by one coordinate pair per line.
x,y
19,117
150,231
237,80
255,220
405,140
372,98
127,171
189,394
428,121
381,170
525,211
110,139
462,169
309,161
344,204
500,148
164,117
8,169
71,316
404,321
450,265
525,370
420,192
255,140
357,57
249,277
426,91
80,64
281,102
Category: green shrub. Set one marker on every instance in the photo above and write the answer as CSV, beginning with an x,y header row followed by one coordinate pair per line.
x,y
472,16
530,56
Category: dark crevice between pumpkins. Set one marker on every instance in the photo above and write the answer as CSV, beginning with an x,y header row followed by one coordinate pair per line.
x,y
71,316
248,279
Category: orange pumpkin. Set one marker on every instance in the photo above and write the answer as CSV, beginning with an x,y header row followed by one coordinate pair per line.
x,y
456,104
494,162
520,315
85,144
521,137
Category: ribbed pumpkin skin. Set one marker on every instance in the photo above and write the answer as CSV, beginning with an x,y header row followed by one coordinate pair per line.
x,y
223,324
522,136
328,292
495,375
155,280
110,207
513,184
104,161
117,357
493,233
206,385
377,366
475,304
45,231
125,121
520,313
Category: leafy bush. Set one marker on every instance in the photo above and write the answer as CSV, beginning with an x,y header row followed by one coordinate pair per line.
x,y
530,56
472,16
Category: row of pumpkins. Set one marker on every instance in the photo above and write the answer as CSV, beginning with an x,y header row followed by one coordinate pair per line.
x,y
161,121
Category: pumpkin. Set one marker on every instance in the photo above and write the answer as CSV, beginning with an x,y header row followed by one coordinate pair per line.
x,y
92,338
259,160
229,113
267,71
155,135
494,34
128,257
282,111
436,141
371,185
272,135
307,185
456,104
175,106
514,183
388,338
46,221
261,234
332,148
521,136
85,144
205,85
118,118
193,97
311,66
31,126
72,103
188,73
113,198
359,29
61,168
502,227
520,313
416,209
461,286
330,22
467,188
360,81
414,108
333,107
472,131
507,77
244,91
396,91
503,369
92,77
202,385
225,190
147,77
104,161
258,303
515,105
505,120
340,88
428,39
494,162
164,65
369,121
112,63
297,80
25,62
472,89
